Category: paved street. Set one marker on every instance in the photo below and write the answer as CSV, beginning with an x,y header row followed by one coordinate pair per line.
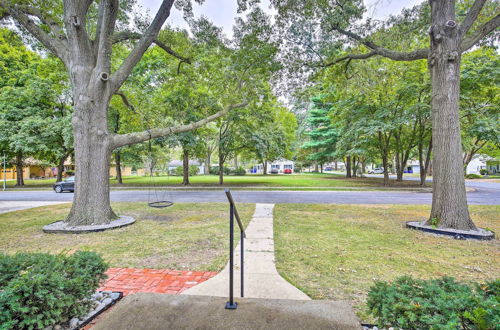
x,y
486,193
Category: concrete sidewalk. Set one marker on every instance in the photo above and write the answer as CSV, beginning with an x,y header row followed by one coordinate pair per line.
x,y
153,311
262,280
9,206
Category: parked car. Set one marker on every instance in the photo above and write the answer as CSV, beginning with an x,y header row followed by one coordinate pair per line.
x,y
275,171
287,171
65,185
378,170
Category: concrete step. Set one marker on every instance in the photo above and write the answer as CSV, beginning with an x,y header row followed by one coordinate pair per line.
x,y
162,311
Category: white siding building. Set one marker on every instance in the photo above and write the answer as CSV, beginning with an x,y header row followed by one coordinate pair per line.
x,y
279,166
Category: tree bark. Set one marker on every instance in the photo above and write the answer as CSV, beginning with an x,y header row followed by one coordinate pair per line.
x,y
449,202
354,167
264,167
208,159
348,167
185,167
118,164
91,202
336,165
385,165
60,167
19,170
221,169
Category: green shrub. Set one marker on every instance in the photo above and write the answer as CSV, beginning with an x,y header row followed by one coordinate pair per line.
x,y
239,171
214,170
483,171
473,176
442,303
193,170
39,290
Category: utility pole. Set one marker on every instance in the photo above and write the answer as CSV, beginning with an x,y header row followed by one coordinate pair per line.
x,y
4,171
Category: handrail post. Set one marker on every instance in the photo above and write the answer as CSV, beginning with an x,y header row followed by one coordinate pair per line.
x,y
242,264
231,304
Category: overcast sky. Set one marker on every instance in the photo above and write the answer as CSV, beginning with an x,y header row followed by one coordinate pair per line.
x,y
222,12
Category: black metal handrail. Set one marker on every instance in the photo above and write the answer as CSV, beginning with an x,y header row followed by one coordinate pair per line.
x,y
233,212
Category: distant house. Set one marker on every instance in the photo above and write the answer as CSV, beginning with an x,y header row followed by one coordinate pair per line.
x,y
35,169
176,163
412,167
279,165
483,162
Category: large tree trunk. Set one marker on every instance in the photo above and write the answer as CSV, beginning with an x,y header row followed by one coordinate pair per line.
x,y
221,169
264,167
118,164
91,202
449,201
185,167
385,165
348,167
19,170
424,164
60,166
354,167
208,159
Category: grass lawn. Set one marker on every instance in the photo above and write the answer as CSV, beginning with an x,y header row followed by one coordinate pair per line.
x,y
337,251
184,236
309,180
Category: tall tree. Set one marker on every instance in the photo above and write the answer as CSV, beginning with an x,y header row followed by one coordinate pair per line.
x,y
323,134
82,34
448,40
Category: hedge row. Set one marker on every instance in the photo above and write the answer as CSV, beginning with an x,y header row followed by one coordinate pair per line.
x,y
39,290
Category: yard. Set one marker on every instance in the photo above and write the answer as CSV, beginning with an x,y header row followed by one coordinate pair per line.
x,y
293,181
337,251
184,236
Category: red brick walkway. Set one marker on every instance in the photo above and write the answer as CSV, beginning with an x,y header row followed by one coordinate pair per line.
x,y
131,280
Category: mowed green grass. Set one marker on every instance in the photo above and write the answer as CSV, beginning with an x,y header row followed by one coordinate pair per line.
x,y
337,251
304,180
184,236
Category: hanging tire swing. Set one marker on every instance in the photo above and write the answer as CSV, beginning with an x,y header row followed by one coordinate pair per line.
x,y
160,200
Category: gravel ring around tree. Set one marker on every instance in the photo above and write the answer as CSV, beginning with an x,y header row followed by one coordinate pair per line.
x,y
63,227
479,234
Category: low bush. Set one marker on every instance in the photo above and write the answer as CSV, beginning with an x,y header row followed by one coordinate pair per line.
x,y
483,171
39,290
193,170
473,176
442,303
239,171
214,170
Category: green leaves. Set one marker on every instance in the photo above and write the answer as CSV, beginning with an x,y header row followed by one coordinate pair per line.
x,y
40,290
435,304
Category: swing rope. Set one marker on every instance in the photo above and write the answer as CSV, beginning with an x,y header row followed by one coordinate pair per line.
x,y
161,201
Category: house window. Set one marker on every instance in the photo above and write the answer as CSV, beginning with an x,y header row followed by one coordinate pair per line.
x,y
287,166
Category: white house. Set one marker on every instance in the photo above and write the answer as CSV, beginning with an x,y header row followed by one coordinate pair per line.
x,y
176,163
412,167
483,162
279,165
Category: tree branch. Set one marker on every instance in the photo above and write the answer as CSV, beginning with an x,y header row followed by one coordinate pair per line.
x,y
56,46
351,57
125,101
471,16
142,45
128,35
108,12
120,140
481,32
418,54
